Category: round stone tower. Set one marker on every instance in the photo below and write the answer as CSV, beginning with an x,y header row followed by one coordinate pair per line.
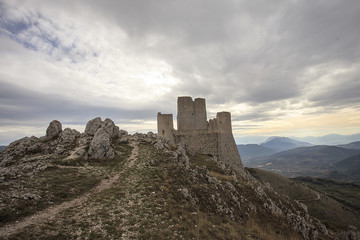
x,y
223,122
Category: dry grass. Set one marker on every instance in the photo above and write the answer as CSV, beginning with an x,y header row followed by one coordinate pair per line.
x,y
220,176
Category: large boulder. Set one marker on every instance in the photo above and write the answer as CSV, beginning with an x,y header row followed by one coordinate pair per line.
x,y
351,233
19,148
92,126
100,146
69,136
109,127
53,130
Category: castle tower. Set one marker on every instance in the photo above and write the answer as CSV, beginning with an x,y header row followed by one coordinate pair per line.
x,y
191,114
223,122
227,149
185,116
200,114
165,126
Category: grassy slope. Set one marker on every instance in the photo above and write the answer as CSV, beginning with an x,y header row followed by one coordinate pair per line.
x,y
328,209
147,203
346,193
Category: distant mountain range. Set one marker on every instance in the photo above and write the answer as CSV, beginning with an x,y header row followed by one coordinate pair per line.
x,y
283,143
270,146
292,158
330,139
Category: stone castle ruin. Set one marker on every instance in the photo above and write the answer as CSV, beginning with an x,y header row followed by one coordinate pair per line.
x,y
212,137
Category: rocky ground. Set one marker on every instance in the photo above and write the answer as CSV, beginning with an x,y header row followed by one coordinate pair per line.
x,y
106,184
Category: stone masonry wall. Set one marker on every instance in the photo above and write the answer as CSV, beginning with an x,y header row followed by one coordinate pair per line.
x,y
228,152
199,142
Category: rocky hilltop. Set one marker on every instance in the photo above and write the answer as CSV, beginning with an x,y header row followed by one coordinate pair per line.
x,y
107,184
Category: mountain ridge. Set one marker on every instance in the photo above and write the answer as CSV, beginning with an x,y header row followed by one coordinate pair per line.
x,y
304,161
329,139
283,143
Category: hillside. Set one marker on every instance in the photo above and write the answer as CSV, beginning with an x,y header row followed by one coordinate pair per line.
x,y
347,169
350,163
352,145
346,193
106,184
335,204
304,161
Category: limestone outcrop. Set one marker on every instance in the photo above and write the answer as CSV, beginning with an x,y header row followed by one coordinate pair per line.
x,y
54,129
100,146
94,143
104,132
92,126
69,136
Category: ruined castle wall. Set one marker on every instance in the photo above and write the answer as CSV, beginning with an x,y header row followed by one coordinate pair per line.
x,y
212,126
228,152
222,145
165,126
199,142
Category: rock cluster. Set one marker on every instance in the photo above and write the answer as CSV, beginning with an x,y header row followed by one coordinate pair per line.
x,y
103,133
351,233
94,143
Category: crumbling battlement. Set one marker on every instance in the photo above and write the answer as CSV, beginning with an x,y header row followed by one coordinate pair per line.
x,y
201,136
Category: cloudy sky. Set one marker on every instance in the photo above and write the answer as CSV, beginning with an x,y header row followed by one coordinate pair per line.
x,y
281,67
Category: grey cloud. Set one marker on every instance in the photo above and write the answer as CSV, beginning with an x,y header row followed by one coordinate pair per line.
x,y
17,103
185,21
344,93
253,52
202,38
324,30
